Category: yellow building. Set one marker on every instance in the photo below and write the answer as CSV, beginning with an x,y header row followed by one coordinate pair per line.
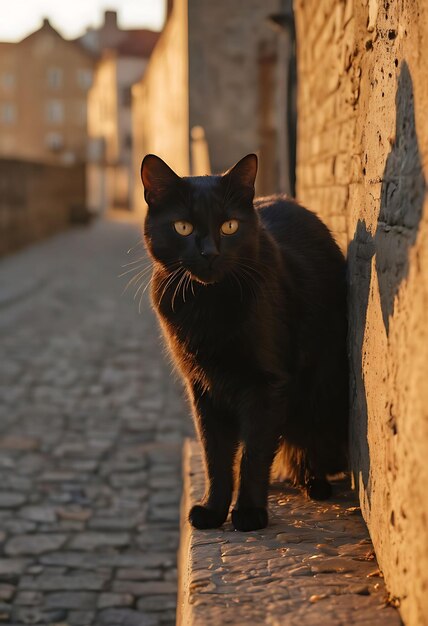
x,y
110,172
44,80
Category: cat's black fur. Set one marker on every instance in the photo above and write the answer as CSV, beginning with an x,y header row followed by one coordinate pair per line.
x,y
256,323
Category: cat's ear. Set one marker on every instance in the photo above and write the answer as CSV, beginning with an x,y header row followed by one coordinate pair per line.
x,y
244,172
157,178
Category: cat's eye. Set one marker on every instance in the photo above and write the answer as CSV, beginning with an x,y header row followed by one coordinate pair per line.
x,y
183,228
230,227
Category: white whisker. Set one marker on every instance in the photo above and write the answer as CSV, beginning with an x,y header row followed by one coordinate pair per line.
x,y
139,243
134,269
142,258
177,288
169,280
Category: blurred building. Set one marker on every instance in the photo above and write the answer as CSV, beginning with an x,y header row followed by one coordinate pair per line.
x,y
123,59
239,63
160,101
220,84
109,35
44,81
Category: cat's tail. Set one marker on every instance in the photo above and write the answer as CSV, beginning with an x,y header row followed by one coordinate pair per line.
x,y
290,462
294,463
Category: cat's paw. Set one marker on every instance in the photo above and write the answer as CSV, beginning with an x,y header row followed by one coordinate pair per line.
x,y
249,518
318,489
202,517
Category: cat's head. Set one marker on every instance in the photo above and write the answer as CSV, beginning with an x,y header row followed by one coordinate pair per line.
x,y
205,224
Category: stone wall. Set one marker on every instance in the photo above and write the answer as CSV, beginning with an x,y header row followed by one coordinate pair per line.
x,y
37,200
363,166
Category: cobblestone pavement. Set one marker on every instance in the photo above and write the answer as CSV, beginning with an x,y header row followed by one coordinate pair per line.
x,y
313,566
91,435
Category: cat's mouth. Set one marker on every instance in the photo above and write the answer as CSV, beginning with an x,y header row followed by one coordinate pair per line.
x,y
206,276
204,280
206,273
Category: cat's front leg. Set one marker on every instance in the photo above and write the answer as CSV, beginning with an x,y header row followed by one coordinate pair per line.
x,y
260,434
219,437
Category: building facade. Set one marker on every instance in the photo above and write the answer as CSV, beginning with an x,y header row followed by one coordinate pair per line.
x,y
221,72
44,81
120,65
239,63
160,102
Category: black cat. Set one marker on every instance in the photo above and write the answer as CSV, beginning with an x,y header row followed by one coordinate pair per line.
x,y
251,297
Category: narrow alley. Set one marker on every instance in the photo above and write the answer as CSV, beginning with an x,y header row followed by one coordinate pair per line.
x,y
91,438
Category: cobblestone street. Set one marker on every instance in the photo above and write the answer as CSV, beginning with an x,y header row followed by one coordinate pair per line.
x,y
90,441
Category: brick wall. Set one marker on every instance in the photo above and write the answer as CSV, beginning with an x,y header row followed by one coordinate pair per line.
x,y
36,200
363,166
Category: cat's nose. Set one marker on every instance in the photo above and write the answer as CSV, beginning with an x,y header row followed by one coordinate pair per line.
x,y
210,255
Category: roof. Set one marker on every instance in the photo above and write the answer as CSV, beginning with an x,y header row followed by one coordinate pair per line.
x,y
137,43
47,27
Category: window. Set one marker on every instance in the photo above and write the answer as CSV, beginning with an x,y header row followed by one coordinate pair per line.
x,y
127,141
84,78
54,141
8,80
55,77
126,96
55,112
96,148
8,113
81,113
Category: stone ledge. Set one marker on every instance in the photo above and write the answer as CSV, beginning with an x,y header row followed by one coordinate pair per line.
x,y
313,565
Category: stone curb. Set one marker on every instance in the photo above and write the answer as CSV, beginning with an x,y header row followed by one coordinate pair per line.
x,y
184,552
313,565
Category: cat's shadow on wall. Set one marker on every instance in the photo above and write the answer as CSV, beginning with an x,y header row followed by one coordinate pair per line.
x,y
402,196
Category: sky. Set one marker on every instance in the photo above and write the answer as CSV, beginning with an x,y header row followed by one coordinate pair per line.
x,y
71,18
